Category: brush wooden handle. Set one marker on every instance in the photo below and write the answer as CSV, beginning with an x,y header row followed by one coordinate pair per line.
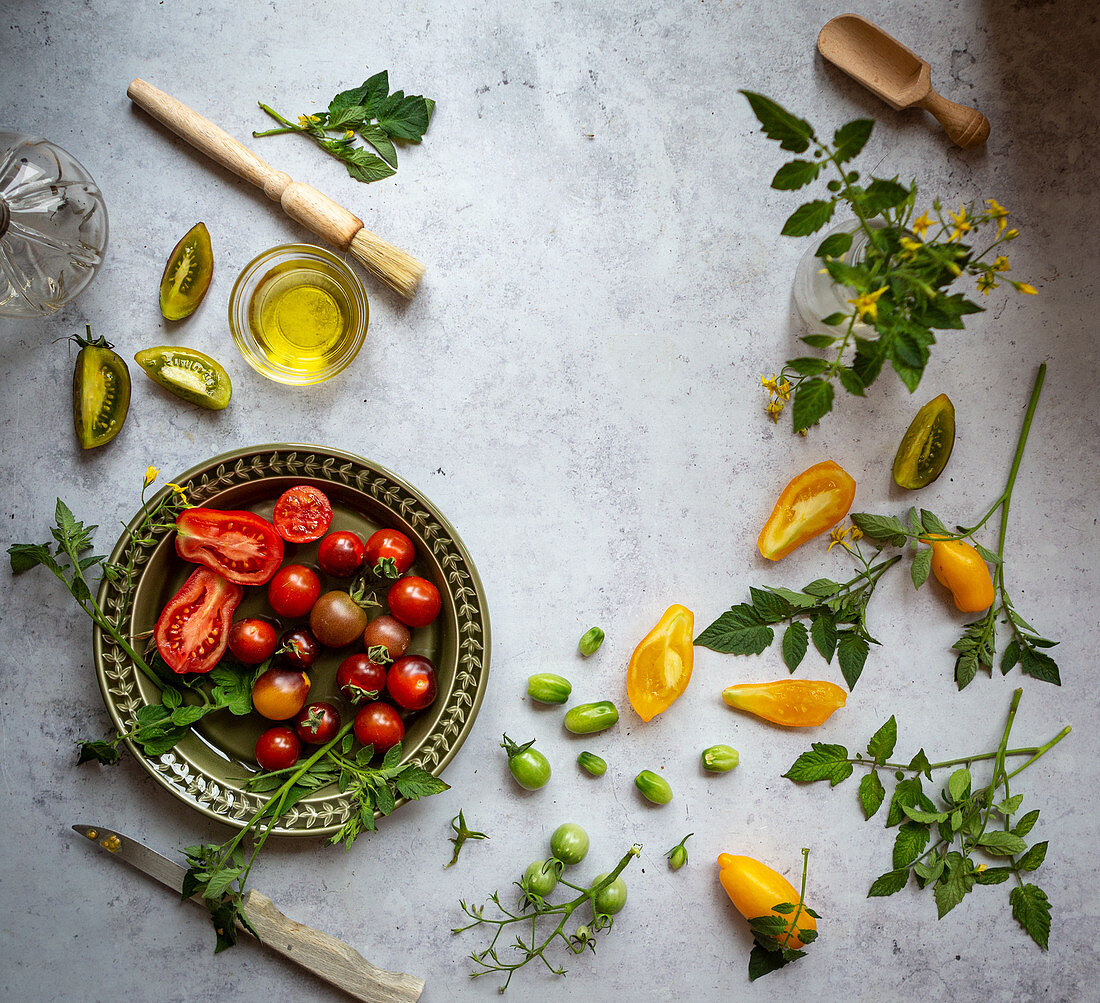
x,y
328,219
328,957
966,127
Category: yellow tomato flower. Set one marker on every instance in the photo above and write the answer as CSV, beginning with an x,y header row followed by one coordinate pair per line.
x,y
303,121
961,224
867,303
784,389
178,490
150,476
910,244
1000,263
768,382
986,282
1023,287
349,133
999,213
773,410
838,535
856,534
1012,234
921,225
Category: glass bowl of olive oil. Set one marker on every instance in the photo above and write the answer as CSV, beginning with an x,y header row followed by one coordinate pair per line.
x,y
298,314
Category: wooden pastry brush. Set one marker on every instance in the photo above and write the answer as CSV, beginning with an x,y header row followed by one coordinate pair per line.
x,y
329,220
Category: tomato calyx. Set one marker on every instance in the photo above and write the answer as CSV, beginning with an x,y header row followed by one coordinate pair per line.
x,y
386,567
380,654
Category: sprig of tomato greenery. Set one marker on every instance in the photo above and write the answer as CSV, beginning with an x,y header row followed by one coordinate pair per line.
x,y
769,952
901,279
219,872
536,945
378,117
837,613
157,727
977,646
937,844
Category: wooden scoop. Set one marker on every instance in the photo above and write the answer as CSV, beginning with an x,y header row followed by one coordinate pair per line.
x,y
897,75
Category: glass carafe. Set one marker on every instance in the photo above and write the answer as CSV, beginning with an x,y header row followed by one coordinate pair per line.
x,y
53,226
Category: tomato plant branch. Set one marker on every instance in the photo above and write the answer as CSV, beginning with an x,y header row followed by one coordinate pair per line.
x,y
489,959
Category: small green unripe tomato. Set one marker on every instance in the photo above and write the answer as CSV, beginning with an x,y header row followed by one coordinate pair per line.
x,y
530,767
541,877
610,899
592,764
653,787
590,641
569,844
678,855
588,718
720,759
546,687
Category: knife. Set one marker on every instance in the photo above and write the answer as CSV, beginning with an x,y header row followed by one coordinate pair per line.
x,y
324,955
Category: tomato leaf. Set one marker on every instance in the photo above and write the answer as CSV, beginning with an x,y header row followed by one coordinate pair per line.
x,y
1033,859
851,654
823,633
889,883
911,839
871,794
796,174
851,137
738,631
822,762
777,123
921,567
881,746
1031,909
795,644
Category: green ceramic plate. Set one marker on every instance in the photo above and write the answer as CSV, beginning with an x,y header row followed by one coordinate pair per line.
x,y
205,770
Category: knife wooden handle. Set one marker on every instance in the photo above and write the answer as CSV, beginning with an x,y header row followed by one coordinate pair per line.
x,y
327,957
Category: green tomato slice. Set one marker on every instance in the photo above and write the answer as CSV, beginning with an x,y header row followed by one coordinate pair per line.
x,y
101,392
926,446
189,374
187,274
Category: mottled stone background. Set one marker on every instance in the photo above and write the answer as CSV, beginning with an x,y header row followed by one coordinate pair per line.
x,y
577,387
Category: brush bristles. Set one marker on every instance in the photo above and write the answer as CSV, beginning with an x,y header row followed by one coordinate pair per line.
x,y
398,269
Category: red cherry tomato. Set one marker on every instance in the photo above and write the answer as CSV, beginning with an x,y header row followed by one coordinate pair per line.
x,y
389,633
414,601
378,724
317,723
192,632
411,682
341,554
278,749
302,514
280,693
360,679
390,553
293,590
298,648
252,641
239,546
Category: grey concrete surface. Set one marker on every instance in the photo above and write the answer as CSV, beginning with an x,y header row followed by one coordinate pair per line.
x,y
577,387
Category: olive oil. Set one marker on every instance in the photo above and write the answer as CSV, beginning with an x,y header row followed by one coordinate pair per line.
x,y
303,316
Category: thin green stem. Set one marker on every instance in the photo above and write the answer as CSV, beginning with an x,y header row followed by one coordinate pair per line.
x,y
1039,752
290,126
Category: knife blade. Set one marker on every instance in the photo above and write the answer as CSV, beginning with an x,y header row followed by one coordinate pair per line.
x,y
326,956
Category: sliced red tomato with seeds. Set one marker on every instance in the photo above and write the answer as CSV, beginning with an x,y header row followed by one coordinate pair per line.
x,y
240,546
302,514
192,632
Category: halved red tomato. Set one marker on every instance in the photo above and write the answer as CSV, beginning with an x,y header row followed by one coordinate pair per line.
x,y
302,514
239,546
193,630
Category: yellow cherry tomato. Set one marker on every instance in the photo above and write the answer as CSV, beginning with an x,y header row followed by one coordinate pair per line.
x,y
960,569
755,890
793,703
660,668
815,501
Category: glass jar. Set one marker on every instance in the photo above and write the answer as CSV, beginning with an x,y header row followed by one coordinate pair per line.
x,y
53,226
816,295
